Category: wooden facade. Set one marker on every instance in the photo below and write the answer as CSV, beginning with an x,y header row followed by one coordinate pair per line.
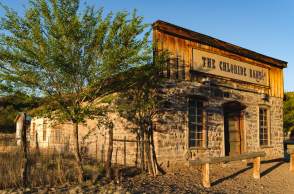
x,y
241,91
180,42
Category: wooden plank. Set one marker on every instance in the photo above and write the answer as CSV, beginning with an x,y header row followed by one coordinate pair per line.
x,y
291,162
215,160
282,83
290,150
206,40
175,39
128,140
187,58
205,175
290,147
125,151
256,168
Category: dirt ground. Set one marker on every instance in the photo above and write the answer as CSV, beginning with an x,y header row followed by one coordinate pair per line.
x,y
226,178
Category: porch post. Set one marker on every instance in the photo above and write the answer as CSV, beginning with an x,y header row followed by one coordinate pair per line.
x,y
256,168
205,175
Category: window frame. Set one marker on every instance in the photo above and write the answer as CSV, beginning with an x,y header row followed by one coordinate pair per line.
x,y
267,127
45,125
57,135
203,140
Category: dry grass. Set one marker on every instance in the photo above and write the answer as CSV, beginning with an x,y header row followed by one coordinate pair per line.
x,y
10,168
45,169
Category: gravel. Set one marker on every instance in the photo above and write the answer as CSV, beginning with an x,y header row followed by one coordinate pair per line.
x,y
225,178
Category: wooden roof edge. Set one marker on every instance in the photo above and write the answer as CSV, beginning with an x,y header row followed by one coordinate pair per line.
x,y
214,42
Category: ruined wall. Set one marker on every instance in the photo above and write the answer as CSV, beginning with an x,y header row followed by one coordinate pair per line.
x,y
93,138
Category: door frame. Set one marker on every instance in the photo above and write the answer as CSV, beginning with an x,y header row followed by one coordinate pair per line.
x,y
234,107
240,115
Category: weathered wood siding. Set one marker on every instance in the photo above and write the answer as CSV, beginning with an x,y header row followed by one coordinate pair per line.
x,y
182,48
276,82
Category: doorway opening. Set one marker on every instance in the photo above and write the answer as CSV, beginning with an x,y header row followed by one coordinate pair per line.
x,y
234,128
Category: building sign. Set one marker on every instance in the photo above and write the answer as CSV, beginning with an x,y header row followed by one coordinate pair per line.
x,y
226,67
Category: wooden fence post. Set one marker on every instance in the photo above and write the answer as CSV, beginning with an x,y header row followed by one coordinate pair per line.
x,y
116,155
290,151
292,162
256,168
96,148
205,175
102,153
125,151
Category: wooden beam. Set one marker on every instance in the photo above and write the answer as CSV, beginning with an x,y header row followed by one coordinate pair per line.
x,y
291,153
205,175
214,160
256,168
128,140
290,150
292,162
205,162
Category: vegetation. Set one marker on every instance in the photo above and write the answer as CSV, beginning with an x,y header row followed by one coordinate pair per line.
x,y
289,112
10,106
71,57
140,105
48,169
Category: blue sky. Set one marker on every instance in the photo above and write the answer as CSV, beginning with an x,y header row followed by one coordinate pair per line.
x,y
264,26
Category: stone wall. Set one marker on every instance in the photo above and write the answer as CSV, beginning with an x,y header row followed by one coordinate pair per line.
x,y
172,146
171,142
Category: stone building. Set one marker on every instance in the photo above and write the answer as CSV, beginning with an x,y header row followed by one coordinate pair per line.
x,y
223,100
229,100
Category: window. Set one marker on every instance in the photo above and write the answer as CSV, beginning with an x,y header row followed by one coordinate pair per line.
x,y
196,127
263,127
168,69
177,67
183,69
33,128
44,131
174,68
57,135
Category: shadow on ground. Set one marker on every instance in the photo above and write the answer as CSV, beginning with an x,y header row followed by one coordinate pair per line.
x,y
276,163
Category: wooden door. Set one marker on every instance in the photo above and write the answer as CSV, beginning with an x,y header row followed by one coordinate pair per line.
x,y
233,134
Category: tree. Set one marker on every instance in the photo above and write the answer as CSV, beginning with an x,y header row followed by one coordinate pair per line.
x,y
71,57
140,104
11,105
288,112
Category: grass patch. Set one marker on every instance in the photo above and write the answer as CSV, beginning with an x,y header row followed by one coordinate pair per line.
x,y
45,169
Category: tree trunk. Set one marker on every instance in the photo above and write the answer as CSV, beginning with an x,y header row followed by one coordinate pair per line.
x,y
148,154
37,145
77,153
24,146
153,167
142,149
157,168
109,154
137,148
